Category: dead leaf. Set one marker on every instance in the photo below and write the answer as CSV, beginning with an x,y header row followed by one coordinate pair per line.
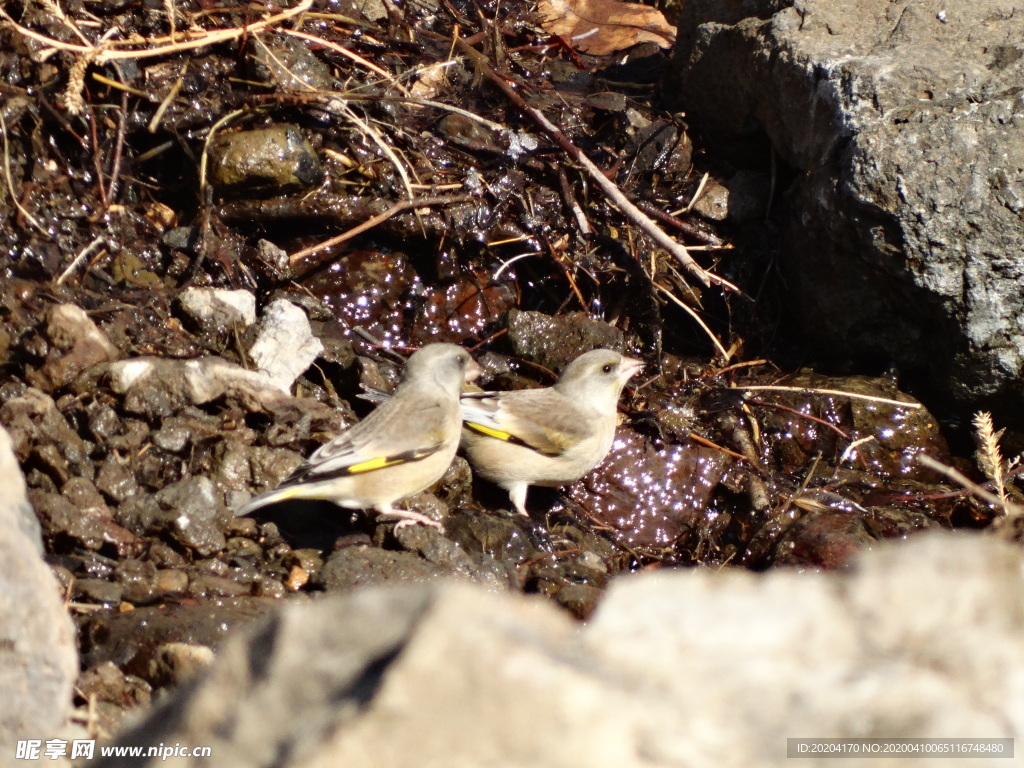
x,y
600,27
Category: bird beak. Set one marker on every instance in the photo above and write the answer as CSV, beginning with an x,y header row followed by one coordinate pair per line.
x,y
473,371
629,367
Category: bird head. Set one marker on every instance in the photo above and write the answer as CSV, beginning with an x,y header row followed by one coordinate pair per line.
x,y
447,364
597,378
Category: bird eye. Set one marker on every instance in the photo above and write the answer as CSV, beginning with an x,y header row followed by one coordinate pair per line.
x,y
608,368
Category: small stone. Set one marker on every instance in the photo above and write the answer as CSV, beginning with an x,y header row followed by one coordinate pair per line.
x,y
84,496
297,579
174,438
193,512
285,346
268,159
218,311
554,342
714,202
269,588
217,586
116,480
77,344
170,582
138,578
97,591
164,556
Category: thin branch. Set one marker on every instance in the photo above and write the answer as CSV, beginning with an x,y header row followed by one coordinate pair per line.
x,y
10,182
402,205
692,313
82,255
816,391
957,477
347,53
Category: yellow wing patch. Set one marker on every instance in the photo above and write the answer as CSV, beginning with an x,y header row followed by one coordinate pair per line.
x,y
556,450
497,434
378,463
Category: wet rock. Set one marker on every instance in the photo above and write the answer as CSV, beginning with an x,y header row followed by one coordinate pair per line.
x,y
887,642
461,310
170,583
138,579
273,261
446,554
649,497
97,591
191,427
889,437
554,342
83,495
830,539
194,514
37,428
273,159
138,513
900,260
741,198
285,346
75,345
103,421
217,311
493,541
369,289
289,63
38,657
216,586
61,519
353,567
132,640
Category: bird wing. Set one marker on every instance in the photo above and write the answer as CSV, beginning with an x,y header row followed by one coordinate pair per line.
x,y
402,429
541,419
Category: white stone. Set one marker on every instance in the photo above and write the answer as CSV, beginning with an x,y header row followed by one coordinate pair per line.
x,y
214,308
285,346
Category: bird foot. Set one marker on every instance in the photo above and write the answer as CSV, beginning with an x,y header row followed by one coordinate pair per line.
x,y
407,518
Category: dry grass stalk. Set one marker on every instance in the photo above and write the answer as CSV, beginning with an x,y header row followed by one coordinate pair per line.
x,y
988,455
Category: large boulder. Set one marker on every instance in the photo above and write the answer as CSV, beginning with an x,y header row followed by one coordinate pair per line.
x,y
677,668
903,121
38,656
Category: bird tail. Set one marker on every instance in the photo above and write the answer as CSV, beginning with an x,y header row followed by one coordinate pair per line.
x,y
265,499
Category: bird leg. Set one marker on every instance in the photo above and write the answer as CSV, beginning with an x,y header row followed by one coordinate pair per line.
x,y
407,517
517,494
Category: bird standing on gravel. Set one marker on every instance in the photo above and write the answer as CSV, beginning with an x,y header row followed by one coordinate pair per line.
x,y
549,436
400,449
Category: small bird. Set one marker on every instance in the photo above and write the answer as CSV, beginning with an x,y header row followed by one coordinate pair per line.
x,y
549,436
400,449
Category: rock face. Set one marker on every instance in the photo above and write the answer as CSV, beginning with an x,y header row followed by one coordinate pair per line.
x,y
677,668
38,659
903,121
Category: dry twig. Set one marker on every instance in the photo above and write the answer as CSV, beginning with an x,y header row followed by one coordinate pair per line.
x,y
403,205
816,391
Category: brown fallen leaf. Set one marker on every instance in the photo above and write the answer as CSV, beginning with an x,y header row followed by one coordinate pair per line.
x,y
600,27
